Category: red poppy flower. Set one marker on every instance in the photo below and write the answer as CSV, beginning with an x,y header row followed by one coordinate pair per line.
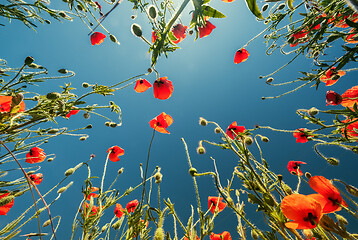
x,y
119,210
6,105
92,194
36,178
190,238
331,194
216,203
299,37
206,30
97,38
72,112
228,1
114,153
333,98
294,167
154,36
241,55
350,97
4,209
163,88
179,31
94,209
222,236
305,211
132,205
142,85
342,23
353,37
234,128
161,122
35,155
351,129
301,135
332,76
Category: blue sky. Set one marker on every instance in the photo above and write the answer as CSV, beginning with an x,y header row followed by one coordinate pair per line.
x,y
206,84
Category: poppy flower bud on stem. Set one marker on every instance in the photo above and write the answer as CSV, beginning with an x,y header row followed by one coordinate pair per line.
x,y
136,30
308,175
200,149
158,177
113,38
85,85
149,70
341,219
313,111
332,161
279,177
86,115
69,172
107,124
281,6
203,122
46,223
269,80
29,60
83,138
193,171
254,234
61,190
264,139
53,95
248,140
120,171
113,124
217,130
62,71
50,159
152,12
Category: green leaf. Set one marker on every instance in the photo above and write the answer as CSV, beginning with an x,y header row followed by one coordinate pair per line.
x,y
252,5
171,36
211,12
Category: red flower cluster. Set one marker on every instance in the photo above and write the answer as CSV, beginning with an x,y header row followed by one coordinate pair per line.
x,y
132,205
306,211
161,122
4,209
331,76
114,153
7,105
119,210
222,236
36,178
35,155
301,134
216,204
92,194
234,128
86,205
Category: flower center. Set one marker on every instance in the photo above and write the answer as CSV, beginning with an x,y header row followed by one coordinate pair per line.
x,y
311,218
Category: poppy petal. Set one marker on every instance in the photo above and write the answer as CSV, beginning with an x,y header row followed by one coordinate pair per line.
x,y
142,85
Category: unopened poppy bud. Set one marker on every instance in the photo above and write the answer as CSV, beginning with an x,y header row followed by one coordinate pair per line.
x,y
53,95
63,71
133,17
62,14
217,130
264,7
35,98
265,139
47,21
152,12
113,38
46,223
313,111
191,32
201,149
107,124
53,131
193,171
89,126
158,177
83,138
61,190
69,172
104,228
308,175
229,201
332,161
149,70
16,100
116,225
29,60
137,30
279,177
203,122
341,219
263,98
85,85
352,190
79,7
50,159
254,234
86,115
269,80
281,6
120,171
6,200
248,140
308,233
287,189
113,124
159,234
36,66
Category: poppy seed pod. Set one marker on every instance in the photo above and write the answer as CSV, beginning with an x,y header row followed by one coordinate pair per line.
x,y
264,7
86,115
29,60
83,138
53,95
248,140
332,161
136,30
201,150
50,159
120,171
158,177
352,190
308,175
107,124
152,12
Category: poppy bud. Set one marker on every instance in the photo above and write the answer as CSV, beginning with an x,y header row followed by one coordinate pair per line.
x,y
200,149
287,189
69,172
113,124
136,30
341,219
217,130
308,175
50,159
158,177
92,155
29,60
332,161
229,201
104,228
116,225
281,6
48,222
47,21
89,126
61,190
62,14
265,139
133,17
35,98
193,171
263,98
313,111
248,140
269,80
113,39
149,70
120,171
254,234
264,7
203,122
6,200
352,190
279,177
85,85
63,71
107,124
308,233
86,115
159,234
17,99
79,7
152,12
240,175
83,138
53,95
191,32
53,131
36,66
